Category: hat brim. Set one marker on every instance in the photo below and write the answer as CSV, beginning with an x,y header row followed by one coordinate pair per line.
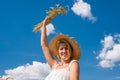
x,y
73,43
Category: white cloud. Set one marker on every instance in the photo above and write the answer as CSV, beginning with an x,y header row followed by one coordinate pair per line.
x,y
50,29
83,9
110,54
106,63
35,71
108,42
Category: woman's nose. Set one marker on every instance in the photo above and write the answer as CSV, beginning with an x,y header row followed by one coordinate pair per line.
x,y
64,50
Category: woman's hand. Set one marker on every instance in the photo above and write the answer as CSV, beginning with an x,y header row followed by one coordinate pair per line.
x,y
46,21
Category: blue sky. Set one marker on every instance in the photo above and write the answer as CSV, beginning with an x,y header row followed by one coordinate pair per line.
x,y
95,25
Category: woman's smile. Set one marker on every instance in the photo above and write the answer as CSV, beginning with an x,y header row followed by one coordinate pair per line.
x,y
63,51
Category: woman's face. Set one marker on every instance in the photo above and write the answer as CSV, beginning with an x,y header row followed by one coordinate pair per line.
x,y
64,51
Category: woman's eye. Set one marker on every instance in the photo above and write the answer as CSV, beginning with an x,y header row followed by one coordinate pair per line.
x,y
60,48
66,48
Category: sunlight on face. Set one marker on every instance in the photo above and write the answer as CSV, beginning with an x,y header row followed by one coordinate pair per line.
x,y
64,51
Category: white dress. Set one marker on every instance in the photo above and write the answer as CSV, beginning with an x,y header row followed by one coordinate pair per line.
x,y
60,74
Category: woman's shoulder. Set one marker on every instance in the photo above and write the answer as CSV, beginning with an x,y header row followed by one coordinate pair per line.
x,y
74,64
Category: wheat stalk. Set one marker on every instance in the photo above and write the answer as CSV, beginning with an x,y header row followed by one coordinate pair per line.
x,y
51,14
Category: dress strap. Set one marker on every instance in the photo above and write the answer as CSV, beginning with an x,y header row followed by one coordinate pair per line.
x,y
56,66
72,63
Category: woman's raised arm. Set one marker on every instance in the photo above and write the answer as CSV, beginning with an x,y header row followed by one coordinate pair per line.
x,y
44,44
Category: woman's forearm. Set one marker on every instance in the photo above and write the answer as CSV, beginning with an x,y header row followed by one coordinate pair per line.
x,y
44,41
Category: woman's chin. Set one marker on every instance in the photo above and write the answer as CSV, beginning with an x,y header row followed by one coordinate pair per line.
x,y
65,58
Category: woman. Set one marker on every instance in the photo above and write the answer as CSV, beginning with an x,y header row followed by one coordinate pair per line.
x,y
66,50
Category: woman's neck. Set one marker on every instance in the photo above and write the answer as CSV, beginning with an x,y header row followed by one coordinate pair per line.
x,y
65,62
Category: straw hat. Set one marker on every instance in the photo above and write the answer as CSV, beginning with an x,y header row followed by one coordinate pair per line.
x,y
53,46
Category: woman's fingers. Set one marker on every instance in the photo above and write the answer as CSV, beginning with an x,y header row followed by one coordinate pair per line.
x,y
46,21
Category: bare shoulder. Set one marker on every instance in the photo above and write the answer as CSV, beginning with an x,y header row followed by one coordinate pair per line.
x,y
74,71
74,65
